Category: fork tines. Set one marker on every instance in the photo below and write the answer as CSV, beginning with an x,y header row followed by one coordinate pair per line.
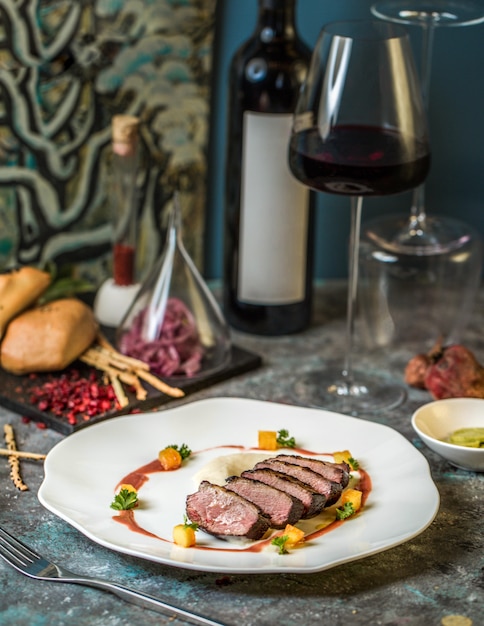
x,y
15,552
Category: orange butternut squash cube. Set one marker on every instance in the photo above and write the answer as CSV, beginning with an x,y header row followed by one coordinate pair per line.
x,y
268,439
343,456
184,536
294,535
170,459
353,496
127,487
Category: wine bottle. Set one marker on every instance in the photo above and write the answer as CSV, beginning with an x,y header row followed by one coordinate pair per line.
x,y
268,245
115,295
125,159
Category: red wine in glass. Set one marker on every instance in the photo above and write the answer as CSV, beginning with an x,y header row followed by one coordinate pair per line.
x,y
358,160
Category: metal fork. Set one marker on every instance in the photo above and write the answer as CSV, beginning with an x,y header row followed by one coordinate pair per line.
x,y
28,562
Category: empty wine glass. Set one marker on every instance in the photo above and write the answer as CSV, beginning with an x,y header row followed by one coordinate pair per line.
x,y
421,231
419,260
359,130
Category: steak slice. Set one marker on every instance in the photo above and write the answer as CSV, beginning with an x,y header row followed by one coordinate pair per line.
x,y
221,512
329,489
337,472
279,506
313,501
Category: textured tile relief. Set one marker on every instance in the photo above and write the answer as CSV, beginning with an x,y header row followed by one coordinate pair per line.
x,y
66,67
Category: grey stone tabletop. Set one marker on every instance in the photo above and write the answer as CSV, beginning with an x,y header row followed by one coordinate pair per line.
x,y
434,579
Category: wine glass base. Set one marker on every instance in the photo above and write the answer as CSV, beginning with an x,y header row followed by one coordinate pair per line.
x,y
415,287
402,234
435,12
327,389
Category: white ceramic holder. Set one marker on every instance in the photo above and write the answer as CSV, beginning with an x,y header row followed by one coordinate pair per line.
x,y
112,302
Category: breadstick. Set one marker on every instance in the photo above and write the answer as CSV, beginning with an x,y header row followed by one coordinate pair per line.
x,y
22,455
104,345
160,385
103,342
126,369
133,381
118,389
13,461
135,364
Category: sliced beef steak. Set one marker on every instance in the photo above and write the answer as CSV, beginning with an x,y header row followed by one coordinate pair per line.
x,y
337,472
313,502
329,489
221,512
279,506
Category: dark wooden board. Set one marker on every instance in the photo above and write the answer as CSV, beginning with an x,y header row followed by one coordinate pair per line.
x,y
16,391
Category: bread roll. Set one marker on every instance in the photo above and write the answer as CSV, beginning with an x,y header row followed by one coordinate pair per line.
x,y
48,338
19,289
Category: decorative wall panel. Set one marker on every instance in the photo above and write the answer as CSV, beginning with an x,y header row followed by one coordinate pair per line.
x,y
66,67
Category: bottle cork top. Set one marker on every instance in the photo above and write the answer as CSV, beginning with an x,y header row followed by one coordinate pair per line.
x,y
124,133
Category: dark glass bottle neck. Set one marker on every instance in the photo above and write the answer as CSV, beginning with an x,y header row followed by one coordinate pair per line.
x,y
276,19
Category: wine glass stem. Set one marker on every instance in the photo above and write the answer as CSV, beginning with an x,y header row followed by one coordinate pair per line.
x,y
417,210
354,248
428,29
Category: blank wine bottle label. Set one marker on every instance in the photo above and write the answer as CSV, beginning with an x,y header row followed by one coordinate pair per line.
x,y
273,216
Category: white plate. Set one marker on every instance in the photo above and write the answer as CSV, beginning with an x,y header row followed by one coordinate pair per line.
x,y
82,471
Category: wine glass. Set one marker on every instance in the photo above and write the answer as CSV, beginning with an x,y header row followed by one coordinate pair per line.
x,y
430,235
419,260
359,129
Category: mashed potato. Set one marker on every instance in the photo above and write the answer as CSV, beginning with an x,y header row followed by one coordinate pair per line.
x,y
220,468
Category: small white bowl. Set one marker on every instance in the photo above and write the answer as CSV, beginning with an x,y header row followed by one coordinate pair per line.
x,y
435,421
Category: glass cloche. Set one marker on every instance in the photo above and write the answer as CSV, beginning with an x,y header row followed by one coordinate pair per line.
x,y
175,324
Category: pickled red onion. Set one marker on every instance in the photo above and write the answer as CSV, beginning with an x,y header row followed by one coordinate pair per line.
x,y
176,352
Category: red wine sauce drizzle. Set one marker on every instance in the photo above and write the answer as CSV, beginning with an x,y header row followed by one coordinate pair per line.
x,y
127,518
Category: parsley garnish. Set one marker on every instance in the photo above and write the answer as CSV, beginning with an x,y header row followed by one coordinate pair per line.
x,y
353,463
188,524
345,511
280,542
184,450
283,439
125,500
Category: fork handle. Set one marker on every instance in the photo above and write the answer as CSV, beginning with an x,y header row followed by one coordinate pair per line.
x,y
142,599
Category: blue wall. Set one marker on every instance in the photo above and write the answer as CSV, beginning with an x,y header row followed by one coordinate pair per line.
x,y
455,186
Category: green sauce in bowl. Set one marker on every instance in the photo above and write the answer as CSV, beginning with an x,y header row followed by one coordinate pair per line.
x,y
468,437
